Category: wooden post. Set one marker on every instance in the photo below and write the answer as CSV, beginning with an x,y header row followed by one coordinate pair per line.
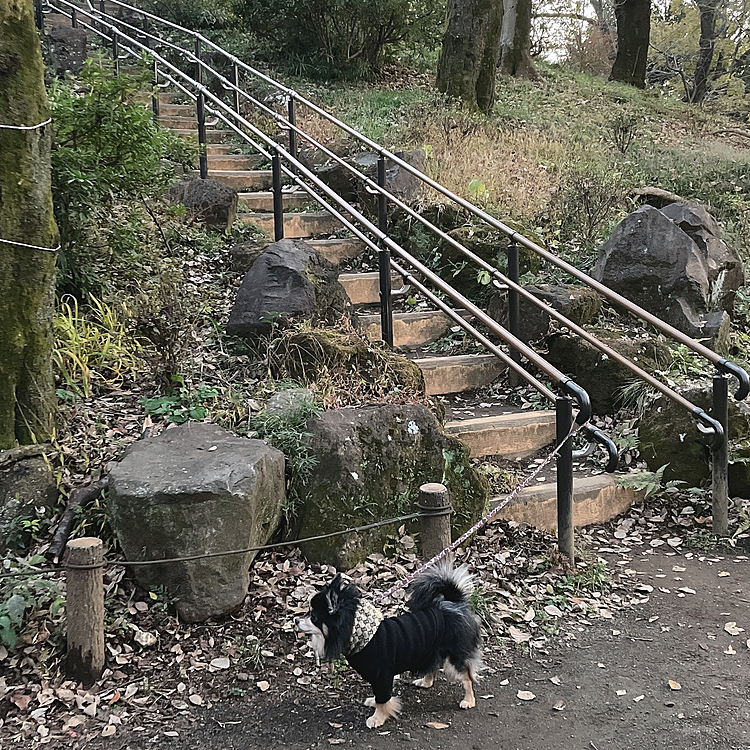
x,y
85,610
436,523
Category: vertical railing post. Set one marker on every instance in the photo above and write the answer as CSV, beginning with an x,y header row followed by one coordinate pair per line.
x,y
74,18
39,15
198,66
200,104
513,308
564,421
384,262
102,11
236,89
155,93
292,117
278,198
116,52
720,458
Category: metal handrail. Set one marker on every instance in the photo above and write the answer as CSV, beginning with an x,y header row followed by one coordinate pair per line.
x,y
708,425
720,362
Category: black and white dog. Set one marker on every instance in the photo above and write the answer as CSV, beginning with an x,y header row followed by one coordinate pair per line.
x,y
439,630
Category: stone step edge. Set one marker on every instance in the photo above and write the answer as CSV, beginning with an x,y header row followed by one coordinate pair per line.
x,y
512,436
596,499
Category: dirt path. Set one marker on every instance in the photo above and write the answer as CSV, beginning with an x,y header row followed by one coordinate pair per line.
x,y
675,635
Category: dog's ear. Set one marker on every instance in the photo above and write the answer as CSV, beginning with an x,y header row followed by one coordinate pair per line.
x,y
332,595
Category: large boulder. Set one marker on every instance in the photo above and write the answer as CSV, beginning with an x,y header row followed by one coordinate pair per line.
x,y
193,490
371,463
723,263
649,260
667,435
579,304
600,375
28,492
290,280
209,201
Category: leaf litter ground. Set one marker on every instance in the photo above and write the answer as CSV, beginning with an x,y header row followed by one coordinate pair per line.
x,y
654,652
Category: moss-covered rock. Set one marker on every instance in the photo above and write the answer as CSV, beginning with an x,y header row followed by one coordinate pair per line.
x,y
371,463
667,435
601,376
308,355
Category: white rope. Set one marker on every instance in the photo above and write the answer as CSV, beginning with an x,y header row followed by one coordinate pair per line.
x,y
33,247
26,127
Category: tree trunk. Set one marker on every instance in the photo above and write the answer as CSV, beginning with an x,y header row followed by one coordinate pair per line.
x,y
27,276
607,23
515,40
468,58
709,13
633,32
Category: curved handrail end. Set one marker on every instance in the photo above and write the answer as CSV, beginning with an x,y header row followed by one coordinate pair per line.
x,y
581,396
730,368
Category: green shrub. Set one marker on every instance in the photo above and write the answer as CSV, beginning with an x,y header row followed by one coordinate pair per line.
x,y
338,38
107,147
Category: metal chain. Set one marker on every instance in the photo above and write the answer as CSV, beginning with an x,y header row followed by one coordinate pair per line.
x,y
481,522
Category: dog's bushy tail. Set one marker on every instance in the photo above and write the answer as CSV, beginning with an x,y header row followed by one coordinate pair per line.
x,y
441,583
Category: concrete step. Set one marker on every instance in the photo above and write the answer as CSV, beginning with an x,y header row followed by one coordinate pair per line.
x,y
233,162
409,329
511,436
212,136
179,123
364,288
263,200
177,110
337,250
595,500
465,372
221,149
295,225
253,179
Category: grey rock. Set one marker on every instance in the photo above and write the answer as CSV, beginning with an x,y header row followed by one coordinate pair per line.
x,y
292,280
192,490
27,491
371,463
600,375
209,201
244,254
649,260
577,303
667,435
286,404
723,263
66,49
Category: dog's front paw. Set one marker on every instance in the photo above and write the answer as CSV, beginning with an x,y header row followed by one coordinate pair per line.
x,y
370,702
468,702
375,721
424,682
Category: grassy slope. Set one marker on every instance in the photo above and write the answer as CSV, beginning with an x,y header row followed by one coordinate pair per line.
x,y
543,134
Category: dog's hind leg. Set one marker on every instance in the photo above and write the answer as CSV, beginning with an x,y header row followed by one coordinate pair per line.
x,y
469,700
426,681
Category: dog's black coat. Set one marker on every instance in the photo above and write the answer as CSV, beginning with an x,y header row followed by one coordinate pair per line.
x,y
439,627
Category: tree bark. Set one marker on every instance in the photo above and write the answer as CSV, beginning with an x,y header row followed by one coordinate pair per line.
x,y
468,58
27,276
515,40
709,11
633,32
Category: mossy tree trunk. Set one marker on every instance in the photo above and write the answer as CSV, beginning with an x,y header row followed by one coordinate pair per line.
x,y
515,42
710,13
27,276
468,58
633,34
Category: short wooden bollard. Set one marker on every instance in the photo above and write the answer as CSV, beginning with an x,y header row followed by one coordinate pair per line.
x,y
435,524
85,610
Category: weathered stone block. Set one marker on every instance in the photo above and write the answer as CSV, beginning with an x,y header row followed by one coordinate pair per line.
x,y
209,201
192,490
371,463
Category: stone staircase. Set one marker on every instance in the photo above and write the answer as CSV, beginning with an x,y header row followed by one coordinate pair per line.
x,y
509,436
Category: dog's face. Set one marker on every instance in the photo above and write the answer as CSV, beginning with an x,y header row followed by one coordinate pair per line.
x,y
330,618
